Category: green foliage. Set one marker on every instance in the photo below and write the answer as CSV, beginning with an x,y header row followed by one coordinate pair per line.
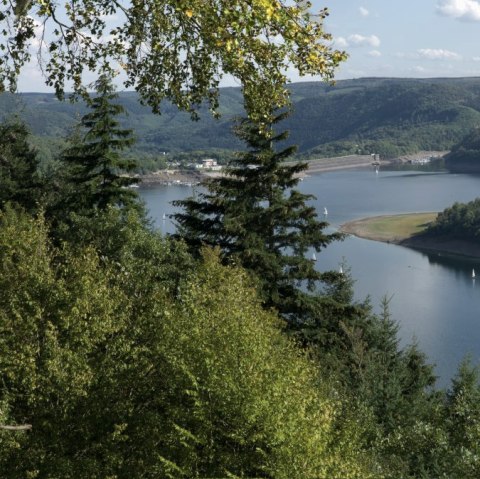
x,y
463,423
93,165
393,387
461,220
173,49
237,398
259,220
132,359
19,180
54,315
327,121
465,155
124,373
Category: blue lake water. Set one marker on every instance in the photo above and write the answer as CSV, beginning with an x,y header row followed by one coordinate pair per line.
x,y
432,296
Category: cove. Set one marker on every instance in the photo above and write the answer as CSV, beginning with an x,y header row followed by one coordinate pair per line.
x,y
432,295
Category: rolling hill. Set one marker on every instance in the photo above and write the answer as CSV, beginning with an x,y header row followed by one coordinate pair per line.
x,y
383,115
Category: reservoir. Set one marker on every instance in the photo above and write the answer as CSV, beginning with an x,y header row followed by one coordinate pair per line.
x,y
432,296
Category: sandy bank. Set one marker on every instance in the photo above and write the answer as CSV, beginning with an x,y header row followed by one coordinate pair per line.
x,y
420,241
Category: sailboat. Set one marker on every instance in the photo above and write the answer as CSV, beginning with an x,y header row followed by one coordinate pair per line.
x,y
473,274
340,270
164,217
325,211
314,257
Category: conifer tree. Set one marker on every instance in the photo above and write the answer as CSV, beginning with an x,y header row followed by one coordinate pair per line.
x,y
19,181
258,219
95,167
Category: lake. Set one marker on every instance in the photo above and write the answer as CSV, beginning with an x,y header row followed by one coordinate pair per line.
x,y
432,296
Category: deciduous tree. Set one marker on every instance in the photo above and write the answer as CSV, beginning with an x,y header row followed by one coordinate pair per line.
x,y
175,49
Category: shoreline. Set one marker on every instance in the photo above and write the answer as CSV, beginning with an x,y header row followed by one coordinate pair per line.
x,y
418,241
319,165
187,177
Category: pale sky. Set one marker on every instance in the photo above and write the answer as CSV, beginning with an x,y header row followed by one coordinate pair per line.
x,y
408,38
389,38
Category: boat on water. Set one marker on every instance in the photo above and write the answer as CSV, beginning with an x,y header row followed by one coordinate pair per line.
x,y
473,273
314,257
325,211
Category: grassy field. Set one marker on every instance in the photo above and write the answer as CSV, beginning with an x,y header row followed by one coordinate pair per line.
x,y
394,228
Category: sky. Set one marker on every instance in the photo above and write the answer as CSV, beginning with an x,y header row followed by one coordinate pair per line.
x,y
408,38
388,38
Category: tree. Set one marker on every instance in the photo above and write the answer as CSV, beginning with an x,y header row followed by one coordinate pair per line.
x,y
93,163
127,370
463,423
221,392
257,218
19,180
175,49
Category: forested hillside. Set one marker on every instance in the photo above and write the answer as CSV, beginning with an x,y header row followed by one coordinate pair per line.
x,y
465,155
386,116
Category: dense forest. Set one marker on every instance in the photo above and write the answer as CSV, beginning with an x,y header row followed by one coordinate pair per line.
x,y
127,354
385,116
465,155
461,220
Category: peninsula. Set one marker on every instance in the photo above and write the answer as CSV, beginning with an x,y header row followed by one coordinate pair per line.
x,y
410,230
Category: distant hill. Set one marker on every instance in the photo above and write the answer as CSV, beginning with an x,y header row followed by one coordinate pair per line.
x,y
465,155
370,115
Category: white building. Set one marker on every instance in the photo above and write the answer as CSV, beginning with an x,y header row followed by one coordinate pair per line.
x,y
209,164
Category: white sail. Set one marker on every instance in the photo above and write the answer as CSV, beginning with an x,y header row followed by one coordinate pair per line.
x,y
473,273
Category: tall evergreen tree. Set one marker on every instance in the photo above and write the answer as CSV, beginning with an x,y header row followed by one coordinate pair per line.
x,y
257,218
95,167
19,181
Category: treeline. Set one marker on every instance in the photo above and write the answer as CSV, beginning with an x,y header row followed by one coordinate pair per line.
x,y
461,220
131,355
390,117
465,155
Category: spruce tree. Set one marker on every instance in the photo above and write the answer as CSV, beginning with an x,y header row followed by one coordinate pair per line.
x,y
95,168
258,219
19,181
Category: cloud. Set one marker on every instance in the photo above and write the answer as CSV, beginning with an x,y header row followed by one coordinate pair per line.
x,y
364,12
467,10
341,42
374,53
361,41
437,54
